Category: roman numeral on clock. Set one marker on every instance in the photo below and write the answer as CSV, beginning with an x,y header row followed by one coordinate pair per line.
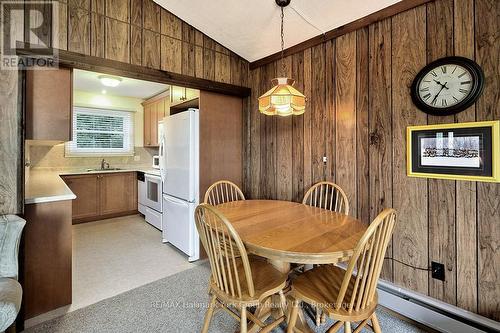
x,y
443,69
463,91
465,82
427,96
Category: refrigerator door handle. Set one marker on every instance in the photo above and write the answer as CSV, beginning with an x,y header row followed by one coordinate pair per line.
x,y
162,157
175,200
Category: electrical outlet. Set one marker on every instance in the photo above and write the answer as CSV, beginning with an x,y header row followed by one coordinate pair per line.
x,y
437,270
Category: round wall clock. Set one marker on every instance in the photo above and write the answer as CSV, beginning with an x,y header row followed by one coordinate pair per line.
x,y
447,86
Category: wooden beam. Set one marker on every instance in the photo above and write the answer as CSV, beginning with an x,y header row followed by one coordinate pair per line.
x,y
112,67
342,30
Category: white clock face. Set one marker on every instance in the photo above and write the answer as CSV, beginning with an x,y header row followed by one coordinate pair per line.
x,y
445,86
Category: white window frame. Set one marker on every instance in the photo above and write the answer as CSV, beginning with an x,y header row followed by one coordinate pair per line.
x,y
71,149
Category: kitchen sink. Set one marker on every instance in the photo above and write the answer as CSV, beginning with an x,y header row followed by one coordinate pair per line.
x,y
106,169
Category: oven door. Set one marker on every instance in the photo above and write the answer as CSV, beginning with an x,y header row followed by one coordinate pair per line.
x,y
153,192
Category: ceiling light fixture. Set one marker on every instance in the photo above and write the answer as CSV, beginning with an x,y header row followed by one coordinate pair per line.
x,y
110,81
282,99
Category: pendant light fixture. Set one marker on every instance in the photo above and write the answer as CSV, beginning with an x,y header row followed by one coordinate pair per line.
x,y
282,99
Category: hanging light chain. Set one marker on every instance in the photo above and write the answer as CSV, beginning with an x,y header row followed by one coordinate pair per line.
x,y
283,65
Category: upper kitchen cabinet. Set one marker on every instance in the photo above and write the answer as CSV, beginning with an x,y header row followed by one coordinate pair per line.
x,y
183,97
155,109
49,104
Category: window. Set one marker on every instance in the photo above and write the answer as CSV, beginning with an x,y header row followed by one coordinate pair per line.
x,y
101,132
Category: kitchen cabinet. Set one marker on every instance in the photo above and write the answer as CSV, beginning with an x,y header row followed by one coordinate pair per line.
x,y
181,95
46,257
103,195
118,192
86,189
155,109
49,104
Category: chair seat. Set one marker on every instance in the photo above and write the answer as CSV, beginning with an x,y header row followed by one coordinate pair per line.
x,y
10,301
267,281
320,286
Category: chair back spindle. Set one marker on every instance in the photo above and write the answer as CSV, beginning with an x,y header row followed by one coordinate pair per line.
x,y
223,191
226,253
327,195
366,263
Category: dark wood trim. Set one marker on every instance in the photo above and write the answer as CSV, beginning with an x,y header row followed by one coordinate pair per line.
x,y
112,67
342,30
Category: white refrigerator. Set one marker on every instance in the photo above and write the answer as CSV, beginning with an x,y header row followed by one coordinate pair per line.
x,y
179,169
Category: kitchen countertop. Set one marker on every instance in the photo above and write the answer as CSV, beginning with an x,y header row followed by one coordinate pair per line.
x,y
47,185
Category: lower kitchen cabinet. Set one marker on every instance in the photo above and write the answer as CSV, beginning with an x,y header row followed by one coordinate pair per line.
x,y
46,257
86,189
118,193
103,195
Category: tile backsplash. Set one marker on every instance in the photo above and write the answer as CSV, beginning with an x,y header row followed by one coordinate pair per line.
x,y
53,157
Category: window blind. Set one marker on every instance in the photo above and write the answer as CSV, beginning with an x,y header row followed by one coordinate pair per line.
x,y
101,132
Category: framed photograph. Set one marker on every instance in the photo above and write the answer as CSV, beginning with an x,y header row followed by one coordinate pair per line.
x,y
462,151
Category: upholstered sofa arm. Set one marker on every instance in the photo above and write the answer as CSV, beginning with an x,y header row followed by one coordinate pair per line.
x,y
10,301
11,227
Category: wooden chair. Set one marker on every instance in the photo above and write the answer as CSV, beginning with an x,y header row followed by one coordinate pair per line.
x,y
237,281
348,295
330,196
327,195
223,191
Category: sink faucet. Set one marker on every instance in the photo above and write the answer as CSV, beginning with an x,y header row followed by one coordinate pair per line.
x,y
104,164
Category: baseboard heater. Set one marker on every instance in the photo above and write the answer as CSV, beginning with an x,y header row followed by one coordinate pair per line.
x,y
431,312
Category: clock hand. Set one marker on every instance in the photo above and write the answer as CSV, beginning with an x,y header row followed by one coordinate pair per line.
x,y
435,97
442,85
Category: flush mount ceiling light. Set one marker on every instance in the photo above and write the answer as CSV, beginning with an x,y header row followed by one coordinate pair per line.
x,y
282,99
110,81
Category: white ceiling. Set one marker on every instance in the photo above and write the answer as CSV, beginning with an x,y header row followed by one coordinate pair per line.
x,y
89,81
252,28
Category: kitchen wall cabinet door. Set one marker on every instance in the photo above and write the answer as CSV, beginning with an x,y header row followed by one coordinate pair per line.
x,y
180,95
155,109
147,125
118,192
86,188
49,104
154,125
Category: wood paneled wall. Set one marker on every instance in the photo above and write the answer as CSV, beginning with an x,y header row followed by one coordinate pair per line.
x,y
359,105
138,32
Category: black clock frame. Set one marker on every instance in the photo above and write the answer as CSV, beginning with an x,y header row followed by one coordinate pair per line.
x,y
476,89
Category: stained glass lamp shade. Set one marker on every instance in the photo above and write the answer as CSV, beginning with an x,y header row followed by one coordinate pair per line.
x,y
282,99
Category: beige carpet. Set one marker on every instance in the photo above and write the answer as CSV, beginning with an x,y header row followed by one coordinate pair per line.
x,y
176,304
113,256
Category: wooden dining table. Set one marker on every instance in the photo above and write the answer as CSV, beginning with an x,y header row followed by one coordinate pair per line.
x,y
287,232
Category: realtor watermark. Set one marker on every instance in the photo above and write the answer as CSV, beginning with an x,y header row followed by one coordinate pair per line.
x,y
32,26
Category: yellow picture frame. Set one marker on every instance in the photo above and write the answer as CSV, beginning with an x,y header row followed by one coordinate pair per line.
x,y
495,154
